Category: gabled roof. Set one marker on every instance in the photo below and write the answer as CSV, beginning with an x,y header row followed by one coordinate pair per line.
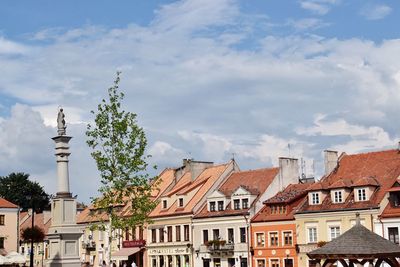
x,y
5,204
377,169
197,188
40,220
253,181
291,197
357,243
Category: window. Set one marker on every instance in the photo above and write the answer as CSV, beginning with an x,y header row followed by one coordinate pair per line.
x,y
274,263
164,204
2,219
178,233
245,203
212,205
231,236
206,262
205,236
288,262
242,235
243,262
334,232
153,236
180,202
394,234
273,239
186,232
161,232
215,234
315,198
312,234
337,197
220,205
169,233
260,237
361,193
236,204
287,238
1,242
260,263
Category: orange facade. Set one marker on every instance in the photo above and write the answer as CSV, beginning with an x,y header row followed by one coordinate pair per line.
x,y
273,244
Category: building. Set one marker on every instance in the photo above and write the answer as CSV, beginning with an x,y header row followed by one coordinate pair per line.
x,y
170,237
9,214
273,228
127,244
352,184
40,249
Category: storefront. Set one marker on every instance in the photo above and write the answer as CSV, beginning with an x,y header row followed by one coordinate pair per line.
x,y
179,256
131,251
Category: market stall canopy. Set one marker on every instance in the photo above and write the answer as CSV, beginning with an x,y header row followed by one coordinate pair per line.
x,y
15,258
124,253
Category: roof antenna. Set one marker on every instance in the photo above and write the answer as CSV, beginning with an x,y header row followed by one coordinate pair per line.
x,y
288,145
233,156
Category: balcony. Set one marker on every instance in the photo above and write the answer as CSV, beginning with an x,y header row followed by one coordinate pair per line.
x,y
219,247
89,245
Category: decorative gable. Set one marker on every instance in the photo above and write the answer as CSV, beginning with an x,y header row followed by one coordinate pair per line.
x,y
240,192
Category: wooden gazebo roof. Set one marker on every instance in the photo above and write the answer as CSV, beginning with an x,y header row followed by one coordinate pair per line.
x,y
357,243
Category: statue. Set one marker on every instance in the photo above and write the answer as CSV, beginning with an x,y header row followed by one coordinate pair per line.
x,y
61,123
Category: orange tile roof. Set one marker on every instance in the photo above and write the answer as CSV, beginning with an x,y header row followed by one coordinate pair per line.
x,y
7,204
379,169
201,184
254,181
390,211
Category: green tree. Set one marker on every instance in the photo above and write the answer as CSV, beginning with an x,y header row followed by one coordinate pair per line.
x,y
36,234
119,146
18,189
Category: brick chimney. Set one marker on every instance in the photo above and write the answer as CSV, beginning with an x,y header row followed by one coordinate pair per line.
x,y
330,160
196,167
288,172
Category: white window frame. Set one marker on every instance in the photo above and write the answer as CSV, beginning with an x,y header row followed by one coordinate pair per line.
x,y
242,202
315,196
269,239
274,259
255,238
283,237
330,227
261,259
227,234
308,233
336,200
358,190
209,206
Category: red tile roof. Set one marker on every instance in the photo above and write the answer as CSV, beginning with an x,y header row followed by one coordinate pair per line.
x,y
290,197
7,204
378,169
254,181
40,220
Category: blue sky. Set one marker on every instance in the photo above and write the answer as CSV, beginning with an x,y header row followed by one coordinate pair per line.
x,y
207,79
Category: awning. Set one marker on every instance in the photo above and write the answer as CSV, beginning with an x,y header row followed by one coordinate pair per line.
x,y
124,253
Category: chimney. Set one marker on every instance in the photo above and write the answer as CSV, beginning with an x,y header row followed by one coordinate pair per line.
x,y
330,160
196,167
288,172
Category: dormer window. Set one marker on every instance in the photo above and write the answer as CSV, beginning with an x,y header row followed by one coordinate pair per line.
x,y
361,194
164,204
212,205
245,203
337,196
220,205
236,204
180,202
315,198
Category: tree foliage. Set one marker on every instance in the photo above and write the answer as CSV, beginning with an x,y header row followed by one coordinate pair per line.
x,y
36,234
18,189
119,146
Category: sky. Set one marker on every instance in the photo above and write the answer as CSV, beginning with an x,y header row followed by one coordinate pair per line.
x,y
209,80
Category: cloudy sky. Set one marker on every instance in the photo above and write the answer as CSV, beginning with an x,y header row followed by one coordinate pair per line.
x,y
208,79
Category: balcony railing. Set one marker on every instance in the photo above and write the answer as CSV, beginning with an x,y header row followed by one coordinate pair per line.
x,y
221,247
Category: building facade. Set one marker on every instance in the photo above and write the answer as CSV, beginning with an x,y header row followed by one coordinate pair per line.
x,y
170,237
9,227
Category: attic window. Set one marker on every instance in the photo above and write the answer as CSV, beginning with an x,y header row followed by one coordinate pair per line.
x,y
245,203
337,197
361,194
220,205
236,204
212,205
164,204
315,198
180,202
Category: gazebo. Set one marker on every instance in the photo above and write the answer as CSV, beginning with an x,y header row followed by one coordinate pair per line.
x,y
356,247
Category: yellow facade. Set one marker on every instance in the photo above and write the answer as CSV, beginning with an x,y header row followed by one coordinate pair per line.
x,y
326,225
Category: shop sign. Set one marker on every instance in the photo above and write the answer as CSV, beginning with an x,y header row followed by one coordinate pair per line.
x,y
133,243
168,251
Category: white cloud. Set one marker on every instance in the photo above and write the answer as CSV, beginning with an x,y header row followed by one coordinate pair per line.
x,y
375,12
307,24
319,7
8,47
